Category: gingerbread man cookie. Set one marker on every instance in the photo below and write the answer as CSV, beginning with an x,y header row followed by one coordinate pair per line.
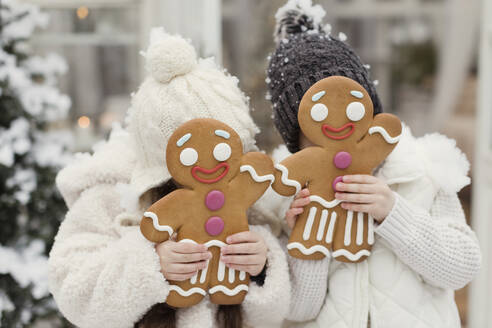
x,y
219,183
336,115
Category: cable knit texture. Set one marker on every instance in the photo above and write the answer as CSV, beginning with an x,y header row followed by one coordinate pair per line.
x,y
423,250
438,245
308,277
179,88
267,305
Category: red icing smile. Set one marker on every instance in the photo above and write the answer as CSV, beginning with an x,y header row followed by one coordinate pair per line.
x,y
325,128
197,168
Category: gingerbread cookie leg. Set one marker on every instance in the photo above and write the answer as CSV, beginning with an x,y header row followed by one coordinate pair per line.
x,y
189,292
354,236
312,235
186,293
227,286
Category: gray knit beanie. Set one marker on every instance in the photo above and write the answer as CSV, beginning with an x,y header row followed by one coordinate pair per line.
x,y
305,54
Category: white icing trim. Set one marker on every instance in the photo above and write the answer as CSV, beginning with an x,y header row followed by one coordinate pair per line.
x,y
193,279
203,276
187,241
255,176
310,250
331,227
157,226
285,177
242,275
370,231
351,256
210,243
186,293
213,290
360,228
215,242
221,271
389,139
227,291
348,228
232,274
323,202
309,223
322,223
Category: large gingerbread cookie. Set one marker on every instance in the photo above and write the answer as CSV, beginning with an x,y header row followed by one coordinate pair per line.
x,y
336,115
219,183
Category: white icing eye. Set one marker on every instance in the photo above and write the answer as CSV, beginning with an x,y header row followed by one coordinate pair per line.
x,y
319,112
188,156
222,152
355,111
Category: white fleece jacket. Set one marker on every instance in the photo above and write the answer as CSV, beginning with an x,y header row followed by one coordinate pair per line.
x,y
103,272
423,251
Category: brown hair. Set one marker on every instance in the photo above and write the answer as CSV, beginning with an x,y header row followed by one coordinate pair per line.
x,y
162,315
230,316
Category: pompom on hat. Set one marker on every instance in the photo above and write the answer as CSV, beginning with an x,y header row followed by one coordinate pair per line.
x,y
169,56
305,54
179,88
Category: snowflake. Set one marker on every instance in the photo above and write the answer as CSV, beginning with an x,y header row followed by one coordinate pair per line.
x,y
342,36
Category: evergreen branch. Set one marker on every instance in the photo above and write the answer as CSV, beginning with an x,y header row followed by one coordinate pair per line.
x,y
13,19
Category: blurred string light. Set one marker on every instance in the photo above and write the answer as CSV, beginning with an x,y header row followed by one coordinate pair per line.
x,y
82,12
84,122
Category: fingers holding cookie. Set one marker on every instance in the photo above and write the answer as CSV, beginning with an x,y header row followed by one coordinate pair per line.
x,y
297,207
180,261
365,193
246,252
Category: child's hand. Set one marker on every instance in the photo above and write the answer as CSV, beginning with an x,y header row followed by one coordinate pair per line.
x,y
246,252
297,207
181,261
365,193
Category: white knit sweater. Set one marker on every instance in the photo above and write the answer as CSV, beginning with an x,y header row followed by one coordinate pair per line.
x,y
423,251
438,245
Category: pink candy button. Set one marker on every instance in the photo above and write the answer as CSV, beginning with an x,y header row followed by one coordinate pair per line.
x,y
214,225
335,181
342,160
214,200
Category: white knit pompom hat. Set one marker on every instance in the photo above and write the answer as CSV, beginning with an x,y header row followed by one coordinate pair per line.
x,y
180,88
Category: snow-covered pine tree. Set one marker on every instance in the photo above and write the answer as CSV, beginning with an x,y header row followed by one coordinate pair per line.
x,y
30,207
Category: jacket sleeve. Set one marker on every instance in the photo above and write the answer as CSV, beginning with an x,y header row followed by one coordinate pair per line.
x,y
267,305
438,244
101,275
309,280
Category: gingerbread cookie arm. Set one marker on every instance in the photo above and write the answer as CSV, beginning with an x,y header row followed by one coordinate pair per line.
x,y
381,138
256,175
164,217
291,174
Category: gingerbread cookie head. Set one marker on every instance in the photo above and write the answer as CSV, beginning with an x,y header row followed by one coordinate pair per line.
x,y
335,110
203,152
